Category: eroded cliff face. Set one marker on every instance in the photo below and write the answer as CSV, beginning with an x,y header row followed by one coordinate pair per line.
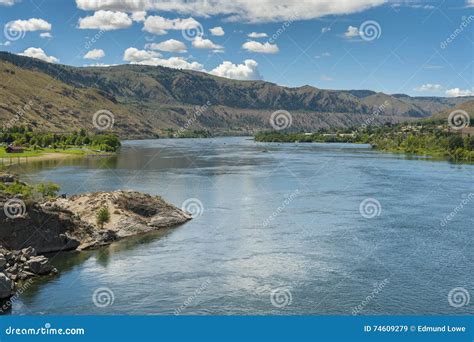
x,y
44,229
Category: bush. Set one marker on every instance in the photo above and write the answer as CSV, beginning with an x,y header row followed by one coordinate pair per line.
x,y
455,142
48,190
17,188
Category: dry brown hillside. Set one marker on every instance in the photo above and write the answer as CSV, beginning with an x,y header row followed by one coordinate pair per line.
x,y
466,106
147,100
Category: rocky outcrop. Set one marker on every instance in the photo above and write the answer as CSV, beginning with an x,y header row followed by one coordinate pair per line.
x,y
131,213
70,223
8,178
25,263
30,227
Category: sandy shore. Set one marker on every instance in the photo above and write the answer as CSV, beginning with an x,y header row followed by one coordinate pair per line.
x,y
6,161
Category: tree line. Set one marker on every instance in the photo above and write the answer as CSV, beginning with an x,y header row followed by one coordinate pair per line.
x,y
419,138
26,137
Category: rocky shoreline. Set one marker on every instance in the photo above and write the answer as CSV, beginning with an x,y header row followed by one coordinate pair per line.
x,y
18,266
29,228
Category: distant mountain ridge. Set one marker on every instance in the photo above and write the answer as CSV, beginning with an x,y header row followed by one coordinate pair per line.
x,y
145,100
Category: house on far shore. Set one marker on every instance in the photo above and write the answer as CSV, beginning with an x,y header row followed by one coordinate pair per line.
x,y
14,149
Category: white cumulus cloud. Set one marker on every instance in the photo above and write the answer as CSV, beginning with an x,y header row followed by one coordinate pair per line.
x,y
46,35
217,31
160,25
136,56
258,47
352,32
39,54
455,92
139,16
239,10
95,54
106,20
200,43
246,71
170,45
144,57
33,24
257,35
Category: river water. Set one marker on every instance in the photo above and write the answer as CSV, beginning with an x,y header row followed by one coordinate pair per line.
x,y
300,229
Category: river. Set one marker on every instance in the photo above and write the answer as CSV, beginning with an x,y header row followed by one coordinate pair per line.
x,y
305,229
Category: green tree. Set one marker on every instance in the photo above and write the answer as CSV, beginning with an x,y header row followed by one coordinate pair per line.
x,y
102,217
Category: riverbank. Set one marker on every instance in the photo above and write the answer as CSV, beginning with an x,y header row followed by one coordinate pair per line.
x,y
21,144
8,159
31,226
429,140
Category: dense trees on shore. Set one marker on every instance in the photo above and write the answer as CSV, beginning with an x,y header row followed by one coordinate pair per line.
x,y
423,139
22,136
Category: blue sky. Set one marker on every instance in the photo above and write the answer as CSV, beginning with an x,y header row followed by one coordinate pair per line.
x,y
417,48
